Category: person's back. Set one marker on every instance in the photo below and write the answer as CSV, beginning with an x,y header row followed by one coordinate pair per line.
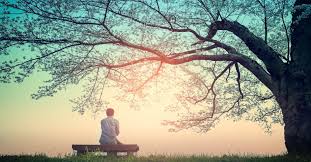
x,y
110,129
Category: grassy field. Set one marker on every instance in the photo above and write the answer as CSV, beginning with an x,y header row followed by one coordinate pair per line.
x,y
153,158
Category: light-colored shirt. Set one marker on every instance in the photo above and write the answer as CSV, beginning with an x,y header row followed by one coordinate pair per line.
x,y
110,130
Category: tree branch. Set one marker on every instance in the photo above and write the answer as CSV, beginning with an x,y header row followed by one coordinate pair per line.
x,y
248,63
286,32
207,10
211,88
265,53
149,78
106,12
263,6
238,79
158,11
197,35
38,58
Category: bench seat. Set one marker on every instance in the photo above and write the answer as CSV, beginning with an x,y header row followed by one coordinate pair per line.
x,y
111,149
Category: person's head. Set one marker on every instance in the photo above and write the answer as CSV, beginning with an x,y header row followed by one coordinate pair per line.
x,y
109,112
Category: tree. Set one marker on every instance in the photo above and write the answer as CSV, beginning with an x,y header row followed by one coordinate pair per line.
x,y
243,45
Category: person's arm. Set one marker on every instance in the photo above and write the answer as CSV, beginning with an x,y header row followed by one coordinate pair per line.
x,y
102,125
117,127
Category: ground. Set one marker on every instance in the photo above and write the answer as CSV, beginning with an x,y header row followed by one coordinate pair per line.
x,y
155,158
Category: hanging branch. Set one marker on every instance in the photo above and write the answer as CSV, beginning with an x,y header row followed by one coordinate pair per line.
x,y
106,11
238,79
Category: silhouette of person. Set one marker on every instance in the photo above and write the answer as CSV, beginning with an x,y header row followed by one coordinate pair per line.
x,y
110,129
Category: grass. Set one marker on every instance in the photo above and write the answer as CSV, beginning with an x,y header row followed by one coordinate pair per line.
x,y
153,158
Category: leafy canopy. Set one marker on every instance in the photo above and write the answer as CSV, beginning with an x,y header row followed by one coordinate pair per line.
x,y
132,45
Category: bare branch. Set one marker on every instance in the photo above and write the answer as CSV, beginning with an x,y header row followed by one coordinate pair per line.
x,y
211,88
180,54
197,35
51,16
286,31
38,58
104,84
248,63
158,5
148,80
158,11
265,53
263,6
207,10
92,90
106,11
238,79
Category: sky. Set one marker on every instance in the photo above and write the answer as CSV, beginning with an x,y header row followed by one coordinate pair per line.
x,y
49,126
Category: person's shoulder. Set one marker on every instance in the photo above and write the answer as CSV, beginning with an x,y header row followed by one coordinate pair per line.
x,y
116,120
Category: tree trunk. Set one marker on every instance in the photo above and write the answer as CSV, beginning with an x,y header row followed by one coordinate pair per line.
x,y
294,88
297,130
296,109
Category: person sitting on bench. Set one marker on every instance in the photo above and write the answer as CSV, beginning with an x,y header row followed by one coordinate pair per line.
x,y
110,129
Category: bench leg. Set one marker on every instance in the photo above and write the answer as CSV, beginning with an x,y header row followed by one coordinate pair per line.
x,y
129,153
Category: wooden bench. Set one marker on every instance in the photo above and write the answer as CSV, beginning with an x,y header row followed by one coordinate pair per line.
x,y
111,149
